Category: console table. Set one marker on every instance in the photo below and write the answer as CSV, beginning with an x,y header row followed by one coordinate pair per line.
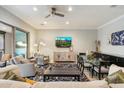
x,y
113,59
64,57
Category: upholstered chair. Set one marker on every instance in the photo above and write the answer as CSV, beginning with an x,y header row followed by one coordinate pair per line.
x,y
27,70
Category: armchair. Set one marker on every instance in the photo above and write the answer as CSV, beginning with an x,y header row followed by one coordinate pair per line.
x,y
27,70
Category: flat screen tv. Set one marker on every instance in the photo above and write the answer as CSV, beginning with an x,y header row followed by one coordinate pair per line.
x,y
63,42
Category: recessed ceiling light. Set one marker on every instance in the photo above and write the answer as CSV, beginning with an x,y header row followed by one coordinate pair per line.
x,y
69,8
67,22
35,9
45,22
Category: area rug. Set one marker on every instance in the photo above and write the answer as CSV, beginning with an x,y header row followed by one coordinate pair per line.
x,y
39,77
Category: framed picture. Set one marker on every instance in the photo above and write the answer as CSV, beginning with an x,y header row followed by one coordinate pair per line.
x,y
117,38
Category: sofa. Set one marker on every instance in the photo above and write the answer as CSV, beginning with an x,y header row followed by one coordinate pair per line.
x,y
89,84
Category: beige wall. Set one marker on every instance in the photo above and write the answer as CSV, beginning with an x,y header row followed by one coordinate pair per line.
x,y
9,18
82,40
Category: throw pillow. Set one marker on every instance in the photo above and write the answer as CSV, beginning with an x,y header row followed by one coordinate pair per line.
x,y
117,77
12,76
30,81
114,68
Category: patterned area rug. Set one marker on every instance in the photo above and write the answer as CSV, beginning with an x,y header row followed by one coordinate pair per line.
x,y
39,77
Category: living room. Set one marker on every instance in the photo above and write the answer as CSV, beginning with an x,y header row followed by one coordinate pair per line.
x,y
36,31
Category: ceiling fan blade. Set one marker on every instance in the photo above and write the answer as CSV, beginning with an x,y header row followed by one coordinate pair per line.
x,y
59,14
48,16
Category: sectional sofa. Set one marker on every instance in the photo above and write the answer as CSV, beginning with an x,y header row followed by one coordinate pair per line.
x,y
90,84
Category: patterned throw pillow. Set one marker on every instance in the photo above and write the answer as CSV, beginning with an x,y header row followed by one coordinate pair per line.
x,y
117,77
12,76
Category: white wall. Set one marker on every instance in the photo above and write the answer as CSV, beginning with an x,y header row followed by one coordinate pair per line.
x,y
104,35
9,18
82,40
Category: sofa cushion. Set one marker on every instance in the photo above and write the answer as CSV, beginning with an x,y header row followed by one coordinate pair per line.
x,y
117,77
114,68
16,60
13,84
10,75
19,60
91,84
116,85
6,69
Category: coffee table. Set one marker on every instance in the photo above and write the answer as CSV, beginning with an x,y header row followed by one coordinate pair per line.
x,y
59,70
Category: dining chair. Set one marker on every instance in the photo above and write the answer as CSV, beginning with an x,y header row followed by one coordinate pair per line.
x,y
87,64
100,68
80,64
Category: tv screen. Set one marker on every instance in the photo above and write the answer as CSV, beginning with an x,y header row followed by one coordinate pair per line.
x,y
63,42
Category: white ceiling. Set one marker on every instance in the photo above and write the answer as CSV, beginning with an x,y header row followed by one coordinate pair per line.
x,y
81,17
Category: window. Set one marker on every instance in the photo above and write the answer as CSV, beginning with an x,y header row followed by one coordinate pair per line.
x,y
21,43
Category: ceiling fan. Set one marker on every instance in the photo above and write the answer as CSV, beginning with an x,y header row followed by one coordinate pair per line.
x,y
53,12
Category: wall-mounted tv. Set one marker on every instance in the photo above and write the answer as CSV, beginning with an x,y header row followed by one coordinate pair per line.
x,y
63,42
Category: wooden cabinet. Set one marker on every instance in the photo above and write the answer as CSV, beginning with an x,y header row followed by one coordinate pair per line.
x,y
64,56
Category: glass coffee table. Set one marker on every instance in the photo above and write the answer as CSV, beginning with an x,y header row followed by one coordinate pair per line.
x,y
62,70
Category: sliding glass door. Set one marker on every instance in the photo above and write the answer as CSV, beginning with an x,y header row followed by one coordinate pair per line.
x,y
21,43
